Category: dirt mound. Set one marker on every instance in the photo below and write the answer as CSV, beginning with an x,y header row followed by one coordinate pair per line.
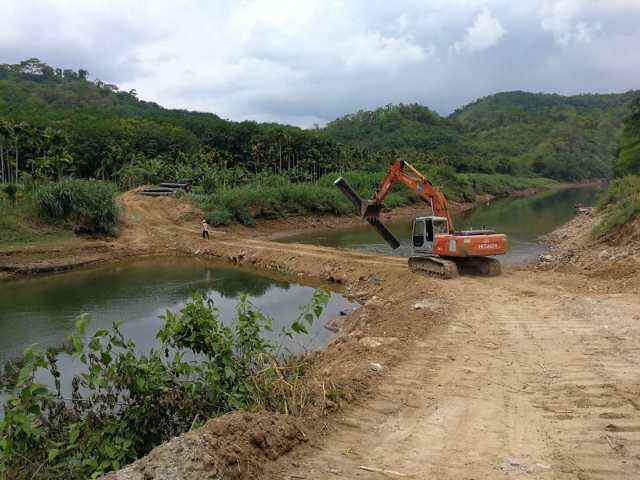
x,y
232,447
573,248
150,223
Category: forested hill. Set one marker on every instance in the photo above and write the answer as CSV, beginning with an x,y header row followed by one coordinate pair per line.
x,y
105,130
568,138
495,110
58,122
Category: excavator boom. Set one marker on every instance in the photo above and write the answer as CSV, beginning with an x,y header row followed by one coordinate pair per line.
x,y
418,184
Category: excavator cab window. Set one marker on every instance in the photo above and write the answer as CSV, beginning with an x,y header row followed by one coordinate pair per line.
x,y
418,233
440,227
429,230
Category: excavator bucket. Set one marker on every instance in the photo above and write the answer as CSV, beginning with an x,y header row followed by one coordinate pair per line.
x,y
369,211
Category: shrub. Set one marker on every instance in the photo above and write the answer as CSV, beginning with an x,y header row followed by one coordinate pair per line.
x,y
133,176
88,206
125,402
11,191
621,205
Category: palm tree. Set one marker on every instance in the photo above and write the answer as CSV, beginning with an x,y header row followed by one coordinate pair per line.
x,y
6,132
20,131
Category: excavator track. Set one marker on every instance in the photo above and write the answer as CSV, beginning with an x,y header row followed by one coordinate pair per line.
x,y
451,267
481,266
433,266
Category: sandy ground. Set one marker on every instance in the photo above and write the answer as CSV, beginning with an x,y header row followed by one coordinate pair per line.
x,y
525,379
533,374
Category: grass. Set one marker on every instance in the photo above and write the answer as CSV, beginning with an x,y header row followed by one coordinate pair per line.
x,y
274,197
85,206
620,204
50,213
20,225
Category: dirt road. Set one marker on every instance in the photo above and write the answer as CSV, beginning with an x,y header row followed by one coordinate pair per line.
x,y
526,380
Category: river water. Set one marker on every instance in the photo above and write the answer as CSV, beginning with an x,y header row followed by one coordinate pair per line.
x,y
523,219
42,310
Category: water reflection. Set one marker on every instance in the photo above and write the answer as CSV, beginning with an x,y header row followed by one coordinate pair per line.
x,y
43,310
523,219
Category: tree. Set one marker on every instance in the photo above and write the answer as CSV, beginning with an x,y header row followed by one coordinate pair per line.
x,y
6,133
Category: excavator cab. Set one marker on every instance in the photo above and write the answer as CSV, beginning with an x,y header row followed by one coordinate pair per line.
x,y
424,231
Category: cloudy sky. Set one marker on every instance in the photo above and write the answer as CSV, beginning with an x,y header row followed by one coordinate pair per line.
x,y
310,61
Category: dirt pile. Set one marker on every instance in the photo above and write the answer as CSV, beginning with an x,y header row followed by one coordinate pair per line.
x,y
573,248
230,447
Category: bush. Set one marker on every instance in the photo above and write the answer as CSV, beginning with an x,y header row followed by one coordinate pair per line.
x,y
88,206
126,402
133,176
621,205
11,191
274,196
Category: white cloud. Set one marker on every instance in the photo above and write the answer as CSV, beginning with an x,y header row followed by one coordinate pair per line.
x,y
558,18
485,32
373,50
308,61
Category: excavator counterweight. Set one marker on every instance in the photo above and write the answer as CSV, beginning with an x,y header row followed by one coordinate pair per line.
x,y
438,249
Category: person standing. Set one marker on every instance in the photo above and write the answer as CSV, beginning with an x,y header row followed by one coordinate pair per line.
x,y
205,229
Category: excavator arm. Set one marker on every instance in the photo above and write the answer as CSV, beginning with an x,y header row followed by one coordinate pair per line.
x,y
370,209
418,184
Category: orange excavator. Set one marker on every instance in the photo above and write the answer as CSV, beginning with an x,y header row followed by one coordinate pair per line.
x,y
438,249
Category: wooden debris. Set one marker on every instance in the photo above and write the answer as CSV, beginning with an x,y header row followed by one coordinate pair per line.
x,y
383,471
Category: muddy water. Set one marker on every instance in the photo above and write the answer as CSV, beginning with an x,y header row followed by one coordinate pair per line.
x,y
523,219
42,310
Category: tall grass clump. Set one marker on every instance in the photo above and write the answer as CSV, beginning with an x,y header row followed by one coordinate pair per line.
x,y
87,206
620,203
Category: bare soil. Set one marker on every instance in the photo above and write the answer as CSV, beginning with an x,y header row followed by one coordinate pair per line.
x,y
532,374
611,263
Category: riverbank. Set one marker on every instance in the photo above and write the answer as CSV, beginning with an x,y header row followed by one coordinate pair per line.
x,y
574,248
419,372
165,215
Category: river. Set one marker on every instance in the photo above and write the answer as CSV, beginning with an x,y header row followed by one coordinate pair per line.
x,y
523,219
42,310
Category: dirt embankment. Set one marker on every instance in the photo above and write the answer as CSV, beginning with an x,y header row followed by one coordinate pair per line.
x,y
611,262
373,338
525,375
154,227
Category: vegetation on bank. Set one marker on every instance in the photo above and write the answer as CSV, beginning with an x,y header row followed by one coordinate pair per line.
x,y
21,225
620,204
86,206
126,402
48,212
275,197
621,201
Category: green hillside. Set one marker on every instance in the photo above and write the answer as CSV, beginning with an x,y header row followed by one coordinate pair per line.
x,y
106,130
567,138
58,123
